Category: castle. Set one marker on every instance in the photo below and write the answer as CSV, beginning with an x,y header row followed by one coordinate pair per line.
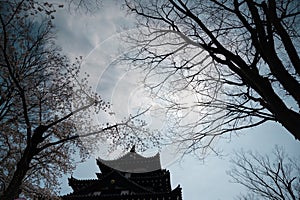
x,y
130,177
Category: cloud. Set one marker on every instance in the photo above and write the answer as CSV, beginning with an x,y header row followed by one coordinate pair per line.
x,y
79,34
95,38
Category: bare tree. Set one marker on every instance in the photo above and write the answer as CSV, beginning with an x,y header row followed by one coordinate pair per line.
x,y
267,177
84,6
238,61
45,105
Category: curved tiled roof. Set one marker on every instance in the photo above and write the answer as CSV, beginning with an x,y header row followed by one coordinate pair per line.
x,y
131,162
129,177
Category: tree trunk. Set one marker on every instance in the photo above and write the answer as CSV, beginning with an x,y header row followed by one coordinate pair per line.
x,y
13,189
291,121
285,116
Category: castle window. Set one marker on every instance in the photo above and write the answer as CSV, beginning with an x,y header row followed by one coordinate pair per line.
x,y
124,192
97,193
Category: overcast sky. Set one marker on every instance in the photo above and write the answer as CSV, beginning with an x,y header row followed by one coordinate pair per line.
x,y
95,37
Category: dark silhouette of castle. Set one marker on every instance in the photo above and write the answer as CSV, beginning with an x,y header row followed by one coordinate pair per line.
x,y
130,177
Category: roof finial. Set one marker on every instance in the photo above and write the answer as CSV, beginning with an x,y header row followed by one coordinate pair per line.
x,y
132,150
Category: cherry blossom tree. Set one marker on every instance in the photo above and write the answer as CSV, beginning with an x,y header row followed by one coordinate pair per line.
x,y
45,104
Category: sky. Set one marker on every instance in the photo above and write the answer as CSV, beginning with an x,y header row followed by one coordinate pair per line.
x,y
95,38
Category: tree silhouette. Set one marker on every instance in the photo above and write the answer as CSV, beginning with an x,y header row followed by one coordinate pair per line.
x,y
45,105
267,177
238,59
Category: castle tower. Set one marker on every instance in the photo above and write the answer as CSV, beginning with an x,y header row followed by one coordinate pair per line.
x,y
130,177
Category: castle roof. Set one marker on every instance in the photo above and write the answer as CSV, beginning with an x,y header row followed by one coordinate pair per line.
x,y
131,176
131,162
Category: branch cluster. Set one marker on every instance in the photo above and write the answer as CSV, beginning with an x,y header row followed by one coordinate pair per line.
x,y
236,63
